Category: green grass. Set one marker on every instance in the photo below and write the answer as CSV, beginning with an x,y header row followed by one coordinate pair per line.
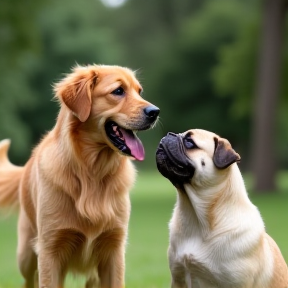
x,y
153,199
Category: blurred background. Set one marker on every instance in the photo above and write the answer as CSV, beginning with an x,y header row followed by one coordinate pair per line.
x,y
219,65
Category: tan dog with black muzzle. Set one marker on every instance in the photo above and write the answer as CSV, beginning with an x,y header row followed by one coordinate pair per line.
x,y
217,236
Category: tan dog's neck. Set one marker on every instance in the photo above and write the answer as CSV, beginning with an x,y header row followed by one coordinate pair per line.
x,y
209,203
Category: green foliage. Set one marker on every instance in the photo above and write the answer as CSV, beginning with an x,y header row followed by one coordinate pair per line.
x,y
235,74
196,60
235,77
18,52
185,78
68,36
56,38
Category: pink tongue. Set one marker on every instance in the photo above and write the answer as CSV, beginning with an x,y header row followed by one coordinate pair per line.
x,y
134,144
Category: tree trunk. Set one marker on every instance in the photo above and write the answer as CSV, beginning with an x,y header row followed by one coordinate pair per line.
x,y
264,162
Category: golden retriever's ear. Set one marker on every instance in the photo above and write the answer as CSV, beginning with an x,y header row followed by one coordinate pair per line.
x,y
75,91
224,155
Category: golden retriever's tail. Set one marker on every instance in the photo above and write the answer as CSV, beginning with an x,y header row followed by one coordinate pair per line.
x,y
10,176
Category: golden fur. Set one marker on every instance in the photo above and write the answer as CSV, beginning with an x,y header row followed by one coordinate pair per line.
x,y
73,191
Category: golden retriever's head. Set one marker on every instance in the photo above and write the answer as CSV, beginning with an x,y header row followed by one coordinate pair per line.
x,y
196,156
106,101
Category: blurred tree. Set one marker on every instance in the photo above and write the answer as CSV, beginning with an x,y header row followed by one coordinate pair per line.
x,y
39,42
180,49
68,36
19,46
87,34
150,32
236,74
183,78
267,94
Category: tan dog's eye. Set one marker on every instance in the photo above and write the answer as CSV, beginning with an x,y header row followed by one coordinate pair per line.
x,y
189,143
119,91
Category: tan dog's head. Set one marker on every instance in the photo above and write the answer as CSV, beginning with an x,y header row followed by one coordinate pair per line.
x,y
106,101
196,156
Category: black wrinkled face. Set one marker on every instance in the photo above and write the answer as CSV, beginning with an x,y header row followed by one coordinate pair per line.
x,y
172,161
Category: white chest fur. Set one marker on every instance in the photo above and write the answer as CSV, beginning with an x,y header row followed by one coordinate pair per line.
x,y
227,256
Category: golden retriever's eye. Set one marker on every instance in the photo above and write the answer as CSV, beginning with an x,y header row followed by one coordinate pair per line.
x,y
119,91
189,143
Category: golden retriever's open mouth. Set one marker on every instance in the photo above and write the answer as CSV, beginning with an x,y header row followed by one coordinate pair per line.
x,y
125,140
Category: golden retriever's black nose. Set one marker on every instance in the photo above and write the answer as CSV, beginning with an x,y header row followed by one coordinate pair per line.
x,y
151,112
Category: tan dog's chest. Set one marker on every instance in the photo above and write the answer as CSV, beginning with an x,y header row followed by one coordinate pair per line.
x,y
226,257
205,267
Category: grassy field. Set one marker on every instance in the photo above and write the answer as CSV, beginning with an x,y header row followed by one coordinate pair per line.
x,y
146,262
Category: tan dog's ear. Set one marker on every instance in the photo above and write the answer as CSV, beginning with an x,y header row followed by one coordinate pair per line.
x,y
75,91
224,155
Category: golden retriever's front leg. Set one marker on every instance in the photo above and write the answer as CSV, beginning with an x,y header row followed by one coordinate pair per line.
x,y
55,249
27,259
112,269
49,271
92,282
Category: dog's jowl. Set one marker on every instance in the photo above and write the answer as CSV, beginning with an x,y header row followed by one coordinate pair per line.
x,y
74,190
217,236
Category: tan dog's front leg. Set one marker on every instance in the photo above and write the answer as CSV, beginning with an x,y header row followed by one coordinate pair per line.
x,y
178,283
178,276
112,269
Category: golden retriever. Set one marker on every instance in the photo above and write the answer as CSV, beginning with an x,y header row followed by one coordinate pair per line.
x,y
74,190
217,236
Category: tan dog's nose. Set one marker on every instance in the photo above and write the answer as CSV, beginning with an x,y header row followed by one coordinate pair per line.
x,y
151,112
